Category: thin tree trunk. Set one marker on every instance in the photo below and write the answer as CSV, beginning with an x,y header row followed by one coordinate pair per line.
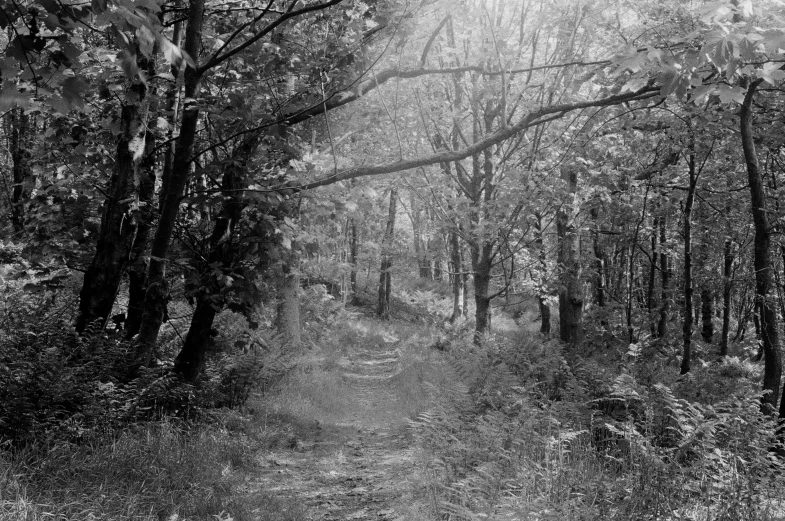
x,y
157,286
481,263
457,277
173,109
353,251
19,148
772,369
707,314
705,282
288,319
688,289
137,272
630,328
542,296
385,275
419,251
651,299
571,292
465,279
665,276
727,287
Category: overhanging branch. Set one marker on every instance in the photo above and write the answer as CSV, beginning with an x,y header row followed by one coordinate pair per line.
x,y
531,119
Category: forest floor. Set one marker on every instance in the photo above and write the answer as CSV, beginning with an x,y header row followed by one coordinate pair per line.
x,y
354,460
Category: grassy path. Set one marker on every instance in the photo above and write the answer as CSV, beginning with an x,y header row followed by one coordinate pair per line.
x,y
356,461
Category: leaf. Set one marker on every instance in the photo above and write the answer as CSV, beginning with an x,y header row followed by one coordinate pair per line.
x,y
73,91
669,81
120,38
98,6
146,40
771,73
128,63
730,94
746,8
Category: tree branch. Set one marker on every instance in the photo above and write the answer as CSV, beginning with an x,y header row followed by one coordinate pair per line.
x,y
531,119
218,59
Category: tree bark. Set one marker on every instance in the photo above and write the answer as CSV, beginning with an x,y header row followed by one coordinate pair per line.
x,y
137,273
651,299
190,361
705,281
385,275
542,296
665,276
353,252
772,369
288,319
120,218
688,289
571,292
481,264
707,314
727,287
457,277
19,148
172,108
157,286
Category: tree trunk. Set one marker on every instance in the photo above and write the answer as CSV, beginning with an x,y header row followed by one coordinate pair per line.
x,y
19,145
707,314
190,360
772,369
353,251
727,287
651,299
419,251
157,286
120,221
665,276
571,292
288,319
137,273
385,275
542,295
481,264
688,289
633,271
173,109
465,279
706,282
457,277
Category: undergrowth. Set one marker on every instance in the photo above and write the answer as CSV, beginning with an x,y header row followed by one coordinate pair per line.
x,y
153,472
84,437
535,432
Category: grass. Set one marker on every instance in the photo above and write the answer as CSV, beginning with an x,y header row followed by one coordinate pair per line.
x,y
152,473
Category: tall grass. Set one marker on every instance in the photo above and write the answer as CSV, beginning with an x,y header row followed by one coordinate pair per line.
x,y
151,473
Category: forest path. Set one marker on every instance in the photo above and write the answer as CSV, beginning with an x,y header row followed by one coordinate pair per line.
x,y
355,464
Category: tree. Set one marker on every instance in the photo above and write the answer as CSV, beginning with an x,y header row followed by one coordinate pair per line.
x,y
385,271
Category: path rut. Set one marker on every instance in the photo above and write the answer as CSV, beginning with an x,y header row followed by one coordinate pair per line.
x,y
356,467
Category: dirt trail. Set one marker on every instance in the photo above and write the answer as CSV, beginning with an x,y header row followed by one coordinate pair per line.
x,y
355,467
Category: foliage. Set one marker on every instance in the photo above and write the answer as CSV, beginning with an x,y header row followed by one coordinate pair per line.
x,y
527,444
